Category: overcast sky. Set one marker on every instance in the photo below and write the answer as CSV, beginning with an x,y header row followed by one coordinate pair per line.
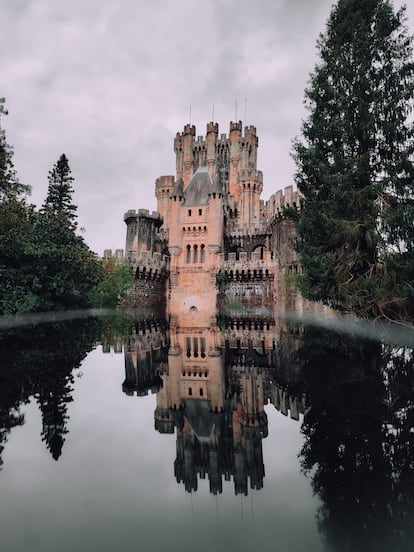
x,y
110,82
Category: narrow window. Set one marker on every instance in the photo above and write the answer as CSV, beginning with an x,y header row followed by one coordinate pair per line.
x,y
189,212
202,253
195,347
203,347
188,346
195,259
190,391
188,259
201,393
200,212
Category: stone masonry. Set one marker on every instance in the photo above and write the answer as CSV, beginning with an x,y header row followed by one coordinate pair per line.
x,y
213,240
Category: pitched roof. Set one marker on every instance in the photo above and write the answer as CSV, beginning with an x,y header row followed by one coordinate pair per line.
x,y
199,187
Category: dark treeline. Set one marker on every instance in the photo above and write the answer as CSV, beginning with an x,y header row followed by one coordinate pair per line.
x,y
44,263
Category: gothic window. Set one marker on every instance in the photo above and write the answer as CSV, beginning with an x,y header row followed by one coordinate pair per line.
x,y
200,212
195,258
203,347
195,345
188,258
188,346
189,212
202,253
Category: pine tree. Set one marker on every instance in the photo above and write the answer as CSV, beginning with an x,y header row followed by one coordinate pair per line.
x,y
355,164
10,187
60,190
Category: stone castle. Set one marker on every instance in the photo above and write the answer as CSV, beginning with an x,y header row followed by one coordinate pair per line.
x,y
213,238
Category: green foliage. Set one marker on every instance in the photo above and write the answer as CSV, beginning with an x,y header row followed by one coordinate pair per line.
x,y
44,264
354,164
115,284
10,187
60,190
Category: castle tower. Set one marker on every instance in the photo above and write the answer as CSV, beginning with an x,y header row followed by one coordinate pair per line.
x,y
234,138
211,139
164,187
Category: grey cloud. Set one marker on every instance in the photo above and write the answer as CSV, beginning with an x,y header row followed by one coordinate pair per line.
x,y
110,83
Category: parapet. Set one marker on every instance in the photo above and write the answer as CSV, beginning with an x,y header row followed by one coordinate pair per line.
x,y
251,174
164,181
142,213
235,126
212,127
118,254
282,199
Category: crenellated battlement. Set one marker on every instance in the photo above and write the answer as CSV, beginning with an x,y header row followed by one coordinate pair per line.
x,y
131,214
117,254
282,199
257,265
250,175
148,262
213,128
166,181
249,230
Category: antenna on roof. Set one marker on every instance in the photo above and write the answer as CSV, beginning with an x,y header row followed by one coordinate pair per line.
x,y
236,112
245,111
190,115
213,113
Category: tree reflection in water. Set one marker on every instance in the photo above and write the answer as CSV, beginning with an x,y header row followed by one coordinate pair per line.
x,y
38,361
358,446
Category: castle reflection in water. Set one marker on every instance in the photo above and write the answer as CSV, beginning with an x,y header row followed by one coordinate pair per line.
x,y
212,380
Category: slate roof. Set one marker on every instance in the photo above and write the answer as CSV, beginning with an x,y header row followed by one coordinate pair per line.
x,y
197,412
199,188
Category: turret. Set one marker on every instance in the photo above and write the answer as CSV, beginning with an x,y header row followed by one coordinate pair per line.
x,y
235,135
211,139
188,155
164,186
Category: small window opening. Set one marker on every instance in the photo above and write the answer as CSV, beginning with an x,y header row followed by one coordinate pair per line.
x,y
189,212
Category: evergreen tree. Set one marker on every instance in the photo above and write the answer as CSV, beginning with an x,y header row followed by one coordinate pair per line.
x,y
10,187
355,164
60,190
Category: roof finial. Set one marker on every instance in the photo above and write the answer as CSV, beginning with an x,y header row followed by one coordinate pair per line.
x,y
190,115
235,112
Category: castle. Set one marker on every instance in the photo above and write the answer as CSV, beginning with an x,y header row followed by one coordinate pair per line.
x,y
213,237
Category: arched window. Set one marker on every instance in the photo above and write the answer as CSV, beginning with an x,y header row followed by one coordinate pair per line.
x,y
202,253
195,258
188,258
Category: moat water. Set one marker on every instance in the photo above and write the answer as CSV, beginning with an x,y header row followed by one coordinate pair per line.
x,y
123,434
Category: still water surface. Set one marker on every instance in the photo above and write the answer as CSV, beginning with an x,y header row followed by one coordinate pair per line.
x,y
103,447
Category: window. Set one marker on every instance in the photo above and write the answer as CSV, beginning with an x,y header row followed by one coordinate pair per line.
x,y
188,258
195,258
190,391
201,393
200,212
189,212
202,253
